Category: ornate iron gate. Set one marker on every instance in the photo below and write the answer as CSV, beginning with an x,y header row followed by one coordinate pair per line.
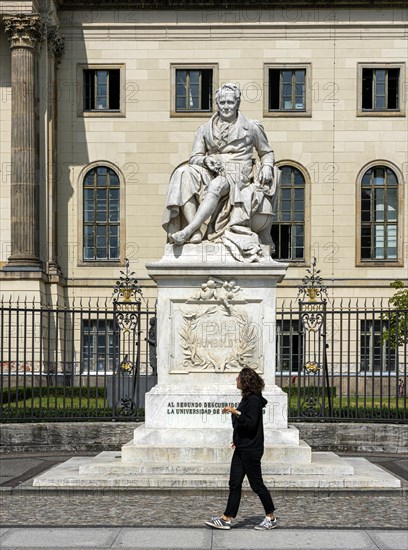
x,y
313,385
129,384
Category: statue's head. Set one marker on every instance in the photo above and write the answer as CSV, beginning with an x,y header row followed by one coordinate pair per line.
x,y
228,99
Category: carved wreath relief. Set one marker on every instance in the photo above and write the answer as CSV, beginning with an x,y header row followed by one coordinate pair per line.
x,y
216,333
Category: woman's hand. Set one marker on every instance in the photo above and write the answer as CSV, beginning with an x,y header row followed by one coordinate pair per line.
x,y
230,410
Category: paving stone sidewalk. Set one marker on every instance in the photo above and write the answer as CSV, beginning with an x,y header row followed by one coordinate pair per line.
x,y
200,539
21,505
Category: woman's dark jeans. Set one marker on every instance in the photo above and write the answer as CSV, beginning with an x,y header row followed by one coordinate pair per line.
x,y
247,463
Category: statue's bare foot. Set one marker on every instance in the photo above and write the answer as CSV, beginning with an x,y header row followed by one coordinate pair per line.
x,y
196,238
179,237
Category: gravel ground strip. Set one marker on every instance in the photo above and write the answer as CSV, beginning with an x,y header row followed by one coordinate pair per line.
x,y
312,510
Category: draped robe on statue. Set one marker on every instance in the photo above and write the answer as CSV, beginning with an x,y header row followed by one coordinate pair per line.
x,y
231,144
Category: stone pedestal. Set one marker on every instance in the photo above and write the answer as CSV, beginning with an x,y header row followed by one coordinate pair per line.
x,y
215,316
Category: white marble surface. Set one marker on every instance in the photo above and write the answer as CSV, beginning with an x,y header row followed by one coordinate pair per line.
x,y
366,476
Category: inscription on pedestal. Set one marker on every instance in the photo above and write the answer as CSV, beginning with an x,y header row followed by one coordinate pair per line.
x,y
198,407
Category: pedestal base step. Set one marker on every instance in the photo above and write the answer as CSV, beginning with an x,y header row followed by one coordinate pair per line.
x,y
191,454
107,464
108,471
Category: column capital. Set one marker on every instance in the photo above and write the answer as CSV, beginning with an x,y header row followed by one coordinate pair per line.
x,y
23,30
55,42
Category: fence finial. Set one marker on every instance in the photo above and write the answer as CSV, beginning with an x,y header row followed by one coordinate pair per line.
x,y
127,287
312,286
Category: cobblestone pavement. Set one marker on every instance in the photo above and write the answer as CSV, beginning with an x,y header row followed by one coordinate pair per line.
x,y
23,506
129,509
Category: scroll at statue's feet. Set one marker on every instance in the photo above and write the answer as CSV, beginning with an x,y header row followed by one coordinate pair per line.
x,y
196,238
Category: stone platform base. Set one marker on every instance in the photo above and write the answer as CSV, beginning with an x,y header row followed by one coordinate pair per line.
x,y
326,471
200,458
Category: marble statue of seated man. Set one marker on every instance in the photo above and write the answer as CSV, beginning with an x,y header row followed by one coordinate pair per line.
x,y
215,192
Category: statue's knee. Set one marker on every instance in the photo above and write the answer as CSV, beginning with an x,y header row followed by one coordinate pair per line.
x,y
218,186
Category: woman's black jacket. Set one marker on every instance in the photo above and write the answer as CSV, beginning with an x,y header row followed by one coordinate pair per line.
x,y
248,427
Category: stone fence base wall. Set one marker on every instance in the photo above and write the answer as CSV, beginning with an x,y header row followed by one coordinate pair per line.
x,y
109,436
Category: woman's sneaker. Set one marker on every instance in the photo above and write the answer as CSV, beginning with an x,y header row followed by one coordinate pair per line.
x,y
218,523
266,524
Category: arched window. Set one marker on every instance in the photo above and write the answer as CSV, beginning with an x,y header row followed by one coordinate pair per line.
x,y
101,215
379,214
288,230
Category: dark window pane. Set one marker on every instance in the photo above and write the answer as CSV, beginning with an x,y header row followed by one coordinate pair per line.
x,y
89,209
299,179
207,85
392,205
379,176
366,205
101,89
113,178
274,83
393,85
391,177
286,175
89,252
101,176
114,205
114,89
89,90
367,177
379,205
367,99
285,241
90,178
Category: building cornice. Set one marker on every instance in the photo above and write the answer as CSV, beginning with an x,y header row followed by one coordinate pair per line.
x,y
225,4
229,31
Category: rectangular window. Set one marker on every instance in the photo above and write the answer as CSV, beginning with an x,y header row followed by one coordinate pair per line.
x,y
101,89
287,86
287,90
380,89
376,355
100,347
192,89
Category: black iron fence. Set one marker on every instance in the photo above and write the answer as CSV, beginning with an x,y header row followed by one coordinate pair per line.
x,y
88,361
344,361
94,361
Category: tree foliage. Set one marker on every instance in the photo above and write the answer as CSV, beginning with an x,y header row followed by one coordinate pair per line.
x,y
396,333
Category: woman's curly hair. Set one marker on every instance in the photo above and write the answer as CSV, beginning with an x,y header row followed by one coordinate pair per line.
x,y
251,382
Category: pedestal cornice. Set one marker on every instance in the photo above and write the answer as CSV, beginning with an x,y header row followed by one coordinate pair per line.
x,y
201,259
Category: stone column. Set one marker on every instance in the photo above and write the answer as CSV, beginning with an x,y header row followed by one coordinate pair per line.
x,y
55,51
24,33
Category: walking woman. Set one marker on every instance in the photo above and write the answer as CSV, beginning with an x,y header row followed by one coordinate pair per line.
x,y
248,445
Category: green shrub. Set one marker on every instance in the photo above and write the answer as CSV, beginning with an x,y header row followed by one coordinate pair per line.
x,y
23,394
310,391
